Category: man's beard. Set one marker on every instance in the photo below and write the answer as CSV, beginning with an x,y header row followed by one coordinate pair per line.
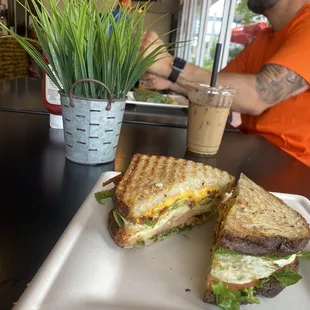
x,y
261,6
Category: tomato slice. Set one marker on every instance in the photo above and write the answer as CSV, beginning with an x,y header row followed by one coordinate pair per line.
x,y
231,286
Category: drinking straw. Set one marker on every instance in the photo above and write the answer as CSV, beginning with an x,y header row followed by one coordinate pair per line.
x,y
216,64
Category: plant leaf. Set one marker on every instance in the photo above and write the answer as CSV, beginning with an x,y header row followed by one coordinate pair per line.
x,y
87,39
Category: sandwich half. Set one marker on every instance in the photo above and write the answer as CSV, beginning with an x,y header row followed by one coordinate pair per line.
x,y
159,196
258,243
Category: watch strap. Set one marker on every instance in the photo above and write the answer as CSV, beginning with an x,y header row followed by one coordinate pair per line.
x,y
177,67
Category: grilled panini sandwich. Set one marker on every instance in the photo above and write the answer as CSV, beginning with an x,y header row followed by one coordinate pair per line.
x,y
258,242
160,196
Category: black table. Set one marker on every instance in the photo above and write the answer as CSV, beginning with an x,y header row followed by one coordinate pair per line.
x,y
24,95
41,191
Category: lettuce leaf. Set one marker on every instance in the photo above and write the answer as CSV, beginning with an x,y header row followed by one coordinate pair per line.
x,y
301,255
176,230
225,298
287,277
102,196
118,218
177,204
206,201
139,244
145,95
149,223
172,231
248,295
261,282
304,255
231,299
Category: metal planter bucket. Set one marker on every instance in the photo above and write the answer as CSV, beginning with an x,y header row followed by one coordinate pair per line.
x,y
91,126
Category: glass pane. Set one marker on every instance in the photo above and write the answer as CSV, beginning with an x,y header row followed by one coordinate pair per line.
x,y
214,26
196,27
246,27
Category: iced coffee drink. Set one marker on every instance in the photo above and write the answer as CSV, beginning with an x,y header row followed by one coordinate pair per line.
x,y
209,108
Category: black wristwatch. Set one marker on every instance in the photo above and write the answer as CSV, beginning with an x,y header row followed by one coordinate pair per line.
x,y
177,67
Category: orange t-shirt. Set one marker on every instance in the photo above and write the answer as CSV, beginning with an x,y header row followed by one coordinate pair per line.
x,y
287,124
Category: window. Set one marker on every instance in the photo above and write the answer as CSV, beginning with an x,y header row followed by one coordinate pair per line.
x,y
246,26
203,23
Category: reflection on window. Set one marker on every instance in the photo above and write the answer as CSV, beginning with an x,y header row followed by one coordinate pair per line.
x,y
203,23
214,27
246,27
211,33
196,27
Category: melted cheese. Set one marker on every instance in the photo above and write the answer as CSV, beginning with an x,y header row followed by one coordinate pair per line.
x,y
242,269
144,232
196,196
168,220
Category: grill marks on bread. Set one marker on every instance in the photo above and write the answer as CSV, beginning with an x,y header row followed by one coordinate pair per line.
x,y
255,222
150,180
258,223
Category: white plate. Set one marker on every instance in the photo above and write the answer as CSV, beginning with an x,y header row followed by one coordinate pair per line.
x,y
181,102
87,271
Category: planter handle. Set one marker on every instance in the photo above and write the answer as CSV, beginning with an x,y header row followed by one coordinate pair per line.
x,y
108,108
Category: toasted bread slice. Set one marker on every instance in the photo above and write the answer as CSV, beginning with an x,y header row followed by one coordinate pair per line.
x,y
254,231
152,184
255,222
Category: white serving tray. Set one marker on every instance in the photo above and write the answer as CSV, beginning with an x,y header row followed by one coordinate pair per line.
x,y
87,271
181,102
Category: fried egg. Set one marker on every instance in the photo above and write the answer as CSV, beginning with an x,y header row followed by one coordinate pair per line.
x,y
241,269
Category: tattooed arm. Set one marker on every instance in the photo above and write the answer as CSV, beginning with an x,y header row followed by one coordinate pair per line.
x,y
256,93
275,84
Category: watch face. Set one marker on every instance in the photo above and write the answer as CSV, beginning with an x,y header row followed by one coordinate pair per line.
x,y
179,63
177,68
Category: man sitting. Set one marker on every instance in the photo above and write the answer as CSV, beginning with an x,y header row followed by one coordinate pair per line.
x,y
272,76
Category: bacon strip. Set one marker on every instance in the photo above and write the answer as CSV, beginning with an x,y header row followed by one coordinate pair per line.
x,y
116,180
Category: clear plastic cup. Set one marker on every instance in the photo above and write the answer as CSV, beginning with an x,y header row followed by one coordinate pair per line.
x,y
209,108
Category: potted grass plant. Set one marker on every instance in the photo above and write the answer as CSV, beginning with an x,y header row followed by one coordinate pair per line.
x,y
94,59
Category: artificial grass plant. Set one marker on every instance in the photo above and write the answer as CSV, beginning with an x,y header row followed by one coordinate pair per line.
x,y
83,39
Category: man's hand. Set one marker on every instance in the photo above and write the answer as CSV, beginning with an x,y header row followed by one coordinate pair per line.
x,y
149,42
153,81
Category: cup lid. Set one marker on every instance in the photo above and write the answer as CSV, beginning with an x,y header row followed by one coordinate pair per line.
x,y
217,90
